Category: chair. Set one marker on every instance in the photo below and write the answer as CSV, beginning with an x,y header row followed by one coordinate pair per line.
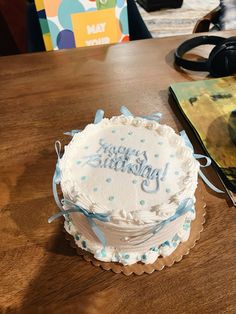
x,y
205,23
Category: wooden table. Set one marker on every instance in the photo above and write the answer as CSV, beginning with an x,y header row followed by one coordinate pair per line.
x,y
44,94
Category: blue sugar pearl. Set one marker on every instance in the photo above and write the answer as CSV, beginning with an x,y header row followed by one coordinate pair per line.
x,y
84,245
108,180
83,178
95,189
176,238
142,202
154,249
126,256
166,243
103,253
142,140
111,198
77,236
144,257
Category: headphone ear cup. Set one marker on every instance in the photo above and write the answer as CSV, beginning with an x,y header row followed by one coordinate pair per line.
x,y
218,61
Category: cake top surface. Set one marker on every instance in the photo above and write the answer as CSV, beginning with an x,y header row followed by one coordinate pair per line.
x,y
135,169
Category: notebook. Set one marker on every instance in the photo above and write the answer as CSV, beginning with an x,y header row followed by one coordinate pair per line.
x,y
210,108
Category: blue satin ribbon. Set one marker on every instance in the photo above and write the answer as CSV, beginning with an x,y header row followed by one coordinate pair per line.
x,y
73,208
184,207
155,116
199,156
72,132
98,116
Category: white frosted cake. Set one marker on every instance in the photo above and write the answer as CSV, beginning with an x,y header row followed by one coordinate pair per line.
x,y
128,185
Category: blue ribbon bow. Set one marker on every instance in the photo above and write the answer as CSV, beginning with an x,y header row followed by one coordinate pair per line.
x,y
89,215
185,206
199,156
155,116
74,208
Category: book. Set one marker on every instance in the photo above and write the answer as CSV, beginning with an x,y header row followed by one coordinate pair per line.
x,y
210,108
80,23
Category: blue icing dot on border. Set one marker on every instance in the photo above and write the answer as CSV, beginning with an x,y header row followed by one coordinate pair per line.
x,y
142,202
144,257
95,189
156,155
113,131
134,181
84,244
77,236
126,256
142,140
111,198
103,253
130,133
66,8
78,162
83,178
167,190
108,180
122,139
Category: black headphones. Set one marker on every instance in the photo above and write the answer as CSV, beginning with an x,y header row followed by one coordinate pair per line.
x,y
221,60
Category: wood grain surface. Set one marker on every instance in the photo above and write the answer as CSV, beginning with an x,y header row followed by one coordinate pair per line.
x,y
44,94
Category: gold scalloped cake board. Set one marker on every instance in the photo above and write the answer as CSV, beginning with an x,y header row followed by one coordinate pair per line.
x,y
140,268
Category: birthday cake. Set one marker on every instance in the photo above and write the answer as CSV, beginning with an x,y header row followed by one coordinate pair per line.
x,y
128,188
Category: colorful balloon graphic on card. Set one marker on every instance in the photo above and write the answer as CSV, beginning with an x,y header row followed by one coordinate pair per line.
x,y
79,23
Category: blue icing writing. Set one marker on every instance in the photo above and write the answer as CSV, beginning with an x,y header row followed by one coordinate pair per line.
x,y
126,159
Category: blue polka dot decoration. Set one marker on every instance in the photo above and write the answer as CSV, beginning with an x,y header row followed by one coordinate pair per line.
x,y
66,8
95,189
167,190
124,21
142,140
54,30
111,198
83,178
65,39
120,3
142,202
108,180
